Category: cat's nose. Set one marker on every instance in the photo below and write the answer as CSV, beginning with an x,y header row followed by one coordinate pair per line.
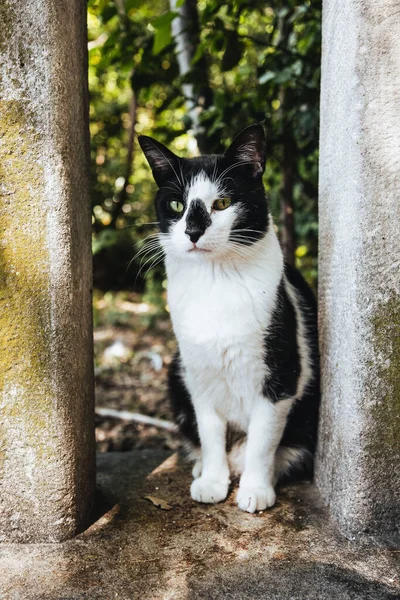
x,y
194,234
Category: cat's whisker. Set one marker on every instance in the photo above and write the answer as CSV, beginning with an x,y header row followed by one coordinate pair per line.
x,y
159,254
149,246
147,254
249,249
180,169
234,166
153,265
174,189
240,236
155,234
151,243
245,251
214,170
238,253
133,259
148,240
263,234
150,237
246,229
251,242
147,224
225,189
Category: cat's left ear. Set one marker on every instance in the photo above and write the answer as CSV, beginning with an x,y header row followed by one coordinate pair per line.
x,y
249,148
163,162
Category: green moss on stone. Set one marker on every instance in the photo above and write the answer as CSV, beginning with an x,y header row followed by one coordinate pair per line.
x,y
7,18
25,376
386,377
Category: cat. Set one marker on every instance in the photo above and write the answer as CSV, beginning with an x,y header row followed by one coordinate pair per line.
x,y
244,384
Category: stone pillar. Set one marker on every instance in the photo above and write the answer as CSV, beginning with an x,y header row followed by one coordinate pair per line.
x,y
47,471
358,463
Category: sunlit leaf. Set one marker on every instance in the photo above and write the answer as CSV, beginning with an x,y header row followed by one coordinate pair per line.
x,y
163,35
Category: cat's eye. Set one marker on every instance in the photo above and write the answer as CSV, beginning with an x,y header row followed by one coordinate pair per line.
x,y
176,206
221,203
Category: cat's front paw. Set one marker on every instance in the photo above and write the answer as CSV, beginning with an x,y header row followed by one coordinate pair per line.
x,y
208,491
251,499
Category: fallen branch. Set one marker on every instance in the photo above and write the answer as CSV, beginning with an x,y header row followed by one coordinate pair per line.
x,y
136,418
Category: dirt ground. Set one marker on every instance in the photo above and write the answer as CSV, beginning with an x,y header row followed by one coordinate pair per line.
x,y
133,346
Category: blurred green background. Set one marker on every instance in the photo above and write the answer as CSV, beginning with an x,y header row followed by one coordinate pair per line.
x,y
193,74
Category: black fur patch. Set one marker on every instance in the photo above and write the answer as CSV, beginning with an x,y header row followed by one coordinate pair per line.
x,y
302,424
197,220
181,403
281,351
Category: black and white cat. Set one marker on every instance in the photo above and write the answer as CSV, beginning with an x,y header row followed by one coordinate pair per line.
x,y
244,384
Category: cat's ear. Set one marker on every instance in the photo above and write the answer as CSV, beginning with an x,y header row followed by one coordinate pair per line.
x,y
249,148
163,162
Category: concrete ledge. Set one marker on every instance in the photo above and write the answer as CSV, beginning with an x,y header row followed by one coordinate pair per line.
x,y
195,551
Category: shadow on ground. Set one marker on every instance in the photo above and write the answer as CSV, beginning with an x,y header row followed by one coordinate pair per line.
x,y
295,581
136,550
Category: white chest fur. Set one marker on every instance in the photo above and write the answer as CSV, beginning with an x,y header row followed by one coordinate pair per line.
x,y
220,313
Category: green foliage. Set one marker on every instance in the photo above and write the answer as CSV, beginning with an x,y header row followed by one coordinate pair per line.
x,y
163,35
260,62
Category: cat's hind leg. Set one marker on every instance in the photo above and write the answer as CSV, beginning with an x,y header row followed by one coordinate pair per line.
x,y
289,460
236,457
194,455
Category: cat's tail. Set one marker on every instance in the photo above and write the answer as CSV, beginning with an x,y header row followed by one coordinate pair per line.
x,y
291,461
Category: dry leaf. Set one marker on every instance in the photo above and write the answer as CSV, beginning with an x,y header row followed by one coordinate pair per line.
x,y
158,502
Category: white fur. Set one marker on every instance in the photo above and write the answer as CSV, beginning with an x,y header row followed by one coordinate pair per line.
x,y
221,303
203,188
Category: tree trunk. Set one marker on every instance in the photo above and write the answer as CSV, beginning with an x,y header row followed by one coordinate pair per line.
x,y
288,241
196,89
287,230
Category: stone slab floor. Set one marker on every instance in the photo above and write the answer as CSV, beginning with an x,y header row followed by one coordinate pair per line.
x,y
135,550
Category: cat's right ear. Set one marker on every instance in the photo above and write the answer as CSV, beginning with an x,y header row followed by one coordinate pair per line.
x,y
248,148
164,163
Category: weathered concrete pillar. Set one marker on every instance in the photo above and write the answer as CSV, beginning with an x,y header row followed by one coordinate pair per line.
x,y
358,468
46,386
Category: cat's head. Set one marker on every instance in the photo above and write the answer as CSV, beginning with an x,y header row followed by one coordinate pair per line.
x,y
210,206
